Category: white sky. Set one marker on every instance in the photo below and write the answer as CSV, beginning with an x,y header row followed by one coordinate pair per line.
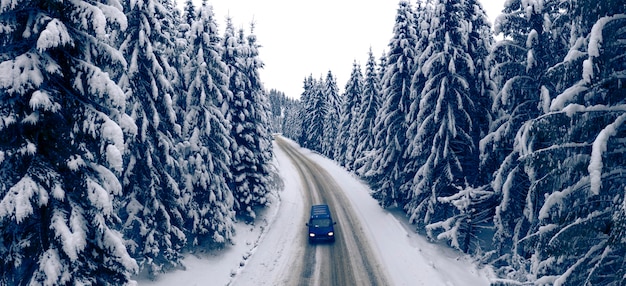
x,y
300,38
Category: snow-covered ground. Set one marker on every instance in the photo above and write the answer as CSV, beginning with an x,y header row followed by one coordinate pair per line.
x,y
260,255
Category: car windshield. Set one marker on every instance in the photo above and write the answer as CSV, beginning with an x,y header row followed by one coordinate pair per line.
x,y
320,222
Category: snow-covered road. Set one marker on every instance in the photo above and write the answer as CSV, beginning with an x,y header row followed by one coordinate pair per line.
x,y
348,261
274,251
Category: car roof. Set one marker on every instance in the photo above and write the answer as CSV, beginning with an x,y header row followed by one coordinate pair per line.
x,y
320,211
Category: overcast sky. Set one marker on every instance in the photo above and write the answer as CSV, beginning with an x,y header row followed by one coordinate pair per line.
x,y
300,38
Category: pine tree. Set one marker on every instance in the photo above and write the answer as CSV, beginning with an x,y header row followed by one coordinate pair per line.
x,y
178,58
263,148
573,163
520,63
61,119
291,124
278,101
248,115
475,204
387,175
306,108
367,117
151,208
345,145
520,69
446,143
206,158
314,114
284,114
332,116
189,13
382,67
560,186
423,18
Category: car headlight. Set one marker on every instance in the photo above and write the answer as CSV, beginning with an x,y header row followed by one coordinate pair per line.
x,y
311,234
331,233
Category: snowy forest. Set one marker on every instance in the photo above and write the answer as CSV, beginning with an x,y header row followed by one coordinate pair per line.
x,y
132,133
506,142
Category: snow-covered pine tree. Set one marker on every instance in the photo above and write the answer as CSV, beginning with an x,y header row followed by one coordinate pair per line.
x,y
382,67
386,175
205,154
345,145
572,157
277,104
258,96
152,207
173,30
179,57
291,123
532,43
284,114
446,143
475,204
519,65
306,108
366,118
61,119
248,114
480,43
314,114
189,13
412,155
332,116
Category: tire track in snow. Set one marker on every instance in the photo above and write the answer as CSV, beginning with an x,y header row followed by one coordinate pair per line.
x,y
350,261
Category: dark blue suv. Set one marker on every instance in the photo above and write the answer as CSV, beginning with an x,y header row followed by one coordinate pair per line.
x,y
321,224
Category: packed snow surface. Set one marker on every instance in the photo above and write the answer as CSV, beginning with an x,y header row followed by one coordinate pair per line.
x,y
260,255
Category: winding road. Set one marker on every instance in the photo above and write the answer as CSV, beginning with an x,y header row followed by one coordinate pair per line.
x,y
348,261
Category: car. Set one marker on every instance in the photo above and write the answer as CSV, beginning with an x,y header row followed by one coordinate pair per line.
x,y
321,224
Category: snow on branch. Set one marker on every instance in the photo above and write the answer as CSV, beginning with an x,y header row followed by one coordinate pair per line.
x,y
598,149
21,74
451,228
42,100
595,37
562,279
73,237
17,202
595,44
557,197
55,35
568,96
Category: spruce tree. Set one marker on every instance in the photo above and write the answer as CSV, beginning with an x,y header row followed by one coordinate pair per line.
x,y
332,117
560,200
386,174
571,153
189,13
446,143
366,118
382,67
205,154
306,108
152,207
314,114
263,147
521,62
248,114
423,18
284,114
277,100
291,124
61,119
345,145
